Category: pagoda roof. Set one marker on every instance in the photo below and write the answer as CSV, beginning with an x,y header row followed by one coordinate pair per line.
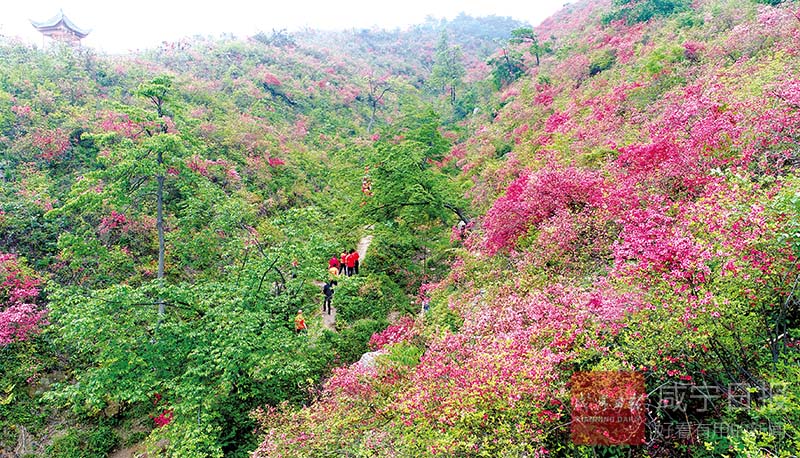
x,y
57,20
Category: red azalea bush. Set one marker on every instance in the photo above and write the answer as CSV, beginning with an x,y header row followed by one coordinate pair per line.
x,y
535,197
20,316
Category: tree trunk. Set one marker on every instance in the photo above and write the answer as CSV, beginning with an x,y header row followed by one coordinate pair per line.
x,y
372,118
160,229
459,212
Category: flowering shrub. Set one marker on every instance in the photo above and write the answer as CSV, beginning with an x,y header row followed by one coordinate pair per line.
x,y
20,317
269,78
163,419
402,331
214,169
535,197
114,221
23,111
122,124
693,49
51,144
651,242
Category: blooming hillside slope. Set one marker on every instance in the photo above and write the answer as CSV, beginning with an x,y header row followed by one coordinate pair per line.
x,y
165,214
640,213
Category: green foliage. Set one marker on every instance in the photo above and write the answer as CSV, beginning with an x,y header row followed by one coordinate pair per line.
x,y
661,58
401,355
396,257
597,157
508,65
506,69
26,230
368,297
633,11
208,375
787,204
661,84
352,341
406,184
466,104
78,443
441,316
602,62
526,40
19,403
410,256
448,68
768,427
689,19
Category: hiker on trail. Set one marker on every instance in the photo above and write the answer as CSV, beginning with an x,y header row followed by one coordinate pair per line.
x,y
343,264
327,291
299,322
350,262
333,266
354,254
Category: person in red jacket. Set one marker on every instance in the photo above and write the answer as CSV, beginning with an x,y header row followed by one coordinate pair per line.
x,y
350,262
334,263
343,264
354,255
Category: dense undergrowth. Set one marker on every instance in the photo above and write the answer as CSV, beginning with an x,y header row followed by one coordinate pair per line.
x,y
164,216
613,190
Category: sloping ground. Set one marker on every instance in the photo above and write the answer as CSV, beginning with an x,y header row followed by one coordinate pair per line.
x,y
642,204
362,247
329,320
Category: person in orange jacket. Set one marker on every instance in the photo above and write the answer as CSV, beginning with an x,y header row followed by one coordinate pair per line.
x,y
299,322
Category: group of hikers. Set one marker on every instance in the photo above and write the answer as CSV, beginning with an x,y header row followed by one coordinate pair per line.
x,y
345,264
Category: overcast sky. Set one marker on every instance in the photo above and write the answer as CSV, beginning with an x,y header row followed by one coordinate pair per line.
x,y
119,26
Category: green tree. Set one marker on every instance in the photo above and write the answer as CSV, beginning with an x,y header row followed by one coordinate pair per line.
x,y
448,68
407,184
633,11
377,89
529,41
507,67
158,92
509,64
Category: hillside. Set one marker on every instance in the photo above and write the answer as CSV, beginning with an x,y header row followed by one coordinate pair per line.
x,y
165,215
600,210
639,199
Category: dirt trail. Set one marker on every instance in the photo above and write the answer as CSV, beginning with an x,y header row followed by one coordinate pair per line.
x,y
124,453
363,244
329,321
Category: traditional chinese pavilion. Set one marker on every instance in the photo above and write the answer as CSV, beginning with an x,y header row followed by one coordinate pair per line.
x,y
60,28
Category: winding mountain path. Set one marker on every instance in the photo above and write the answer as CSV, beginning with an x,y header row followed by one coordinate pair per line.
x,y
363,244
329,321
